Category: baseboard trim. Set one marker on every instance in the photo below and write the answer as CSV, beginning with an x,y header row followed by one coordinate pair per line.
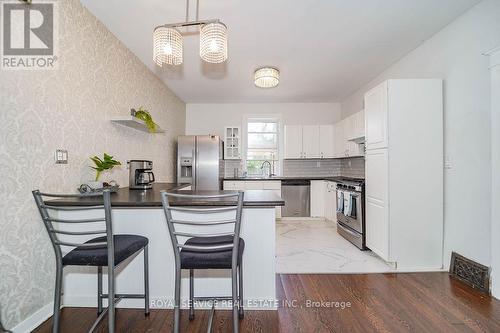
x,y
35,320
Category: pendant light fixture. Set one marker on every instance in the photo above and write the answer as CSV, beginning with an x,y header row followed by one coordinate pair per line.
x,y
167,40
167,46
213,42
267,77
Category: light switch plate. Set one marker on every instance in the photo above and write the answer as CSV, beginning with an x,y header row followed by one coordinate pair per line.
x,y
447,163
61,156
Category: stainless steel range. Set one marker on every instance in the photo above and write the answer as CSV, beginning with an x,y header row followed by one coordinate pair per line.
x,y
350,210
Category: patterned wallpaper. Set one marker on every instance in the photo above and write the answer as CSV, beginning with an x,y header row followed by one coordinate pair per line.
x,y
69,108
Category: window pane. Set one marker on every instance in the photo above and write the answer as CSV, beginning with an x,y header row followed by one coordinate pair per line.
x,y
253,167
262,155
264,140
262,127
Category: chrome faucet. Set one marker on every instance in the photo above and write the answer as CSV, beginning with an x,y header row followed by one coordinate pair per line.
x,y
271,173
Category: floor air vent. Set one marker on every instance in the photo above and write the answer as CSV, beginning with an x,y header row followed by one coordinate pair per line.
x,y
470,272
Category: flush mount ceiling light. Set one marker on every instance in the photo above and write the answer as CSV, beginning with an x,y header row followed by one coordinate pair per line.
x,y
267,77
167,40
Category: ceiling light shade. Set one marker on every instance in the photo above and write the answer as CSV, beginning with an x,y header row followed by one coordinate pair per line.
x,y
213,42
167,47
267,77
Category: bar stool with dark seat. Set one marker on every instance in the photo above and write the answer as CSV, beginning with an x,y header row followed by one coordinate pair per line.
x,y
98,251
196,248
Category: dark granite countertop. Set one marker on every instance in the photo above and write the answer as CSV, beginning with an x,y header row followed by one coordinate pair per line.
x,y
279,178
126,198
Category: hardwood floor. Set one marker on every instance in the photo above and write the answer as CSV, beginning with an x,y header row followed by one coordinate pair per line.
x,y
413,302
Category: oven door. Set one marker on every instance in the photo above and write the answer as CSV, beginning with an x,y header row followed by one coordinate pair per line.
x,y
351,215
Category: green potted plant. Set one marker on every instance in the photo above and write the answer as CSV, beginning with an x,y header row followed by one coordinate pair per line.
x,y
146,117
101,165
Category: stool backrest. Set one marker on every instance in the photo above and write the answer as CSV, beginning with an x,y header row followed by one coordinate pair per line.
x,y
51,210
207,217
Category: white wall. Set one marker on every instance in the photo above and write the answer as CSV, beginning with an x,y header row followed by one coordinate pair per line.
x,y
69,108
211,118
495,172
455,55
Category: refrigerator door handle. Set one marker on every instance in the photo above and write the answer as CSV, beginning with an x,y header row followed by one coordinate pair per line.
x,y
195,168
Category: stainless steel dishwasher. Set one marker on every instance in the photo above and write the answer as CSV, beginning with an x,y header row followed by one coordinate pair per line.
x,y
296,194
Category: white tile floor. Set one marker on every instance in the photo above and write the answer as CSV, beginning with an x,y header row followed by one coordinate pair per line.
x,y
314,246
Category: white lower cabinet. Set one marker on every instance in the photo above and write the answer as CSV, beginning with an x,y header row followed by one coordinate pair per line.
x,y
318,191
331,201
377,220
268,185
324,199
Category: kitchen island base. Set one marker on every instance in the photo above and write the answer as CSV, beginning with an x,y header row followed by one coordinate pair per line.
x,y
257,229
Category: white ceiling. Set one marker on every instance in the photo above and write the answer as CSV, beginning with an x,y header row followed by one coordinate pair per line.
x,y
325,49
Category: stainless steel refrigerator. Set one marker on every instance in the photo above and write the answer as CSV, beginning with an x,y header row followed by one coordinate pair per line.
x,y
200,161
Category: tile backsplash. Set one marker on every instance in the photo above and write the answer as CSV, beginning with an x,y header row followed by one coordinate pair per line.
x,y
348,167
312,168
230,165
353,167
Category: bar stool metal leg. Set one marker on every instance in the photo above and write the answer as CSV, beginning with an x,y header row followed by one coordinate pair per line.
x,y
146,281
177,305
240,293
111,297
57,296
99,290
235,299
191,294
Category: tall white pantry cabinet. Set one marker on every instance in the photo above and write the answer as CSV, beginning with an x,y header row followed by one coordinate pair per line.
x,y
404,172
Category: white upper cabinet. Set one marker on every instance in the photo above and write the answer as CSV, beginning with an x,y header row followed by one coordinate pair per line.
x,y
232,143
339,141
293,141
310,141
353,135
376,117
358,132
326,141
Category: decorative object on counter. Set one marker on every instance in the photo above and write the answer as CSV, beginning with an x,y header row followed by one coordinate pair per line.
x,y
145,116
267,77
167,40
106,163
96,187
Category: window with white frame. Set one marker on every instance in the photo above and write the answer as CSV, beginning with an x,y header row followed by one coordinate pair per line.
x,y
262,145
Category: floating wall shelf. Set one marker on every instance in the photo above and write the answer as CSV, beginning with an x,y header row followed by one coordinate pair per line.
x,y
133,122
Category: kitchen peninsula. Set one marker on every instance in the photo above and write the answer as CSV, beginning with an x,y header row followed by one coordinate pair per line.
x,y
140,212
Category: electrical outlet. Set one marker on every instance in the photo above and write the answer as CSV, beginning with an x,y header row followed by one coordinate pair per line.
x,y
318,164
61,156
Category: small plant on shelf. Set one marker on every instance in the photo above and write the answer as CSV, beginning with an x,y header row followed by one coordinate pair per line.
x,y
106,163
146,117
